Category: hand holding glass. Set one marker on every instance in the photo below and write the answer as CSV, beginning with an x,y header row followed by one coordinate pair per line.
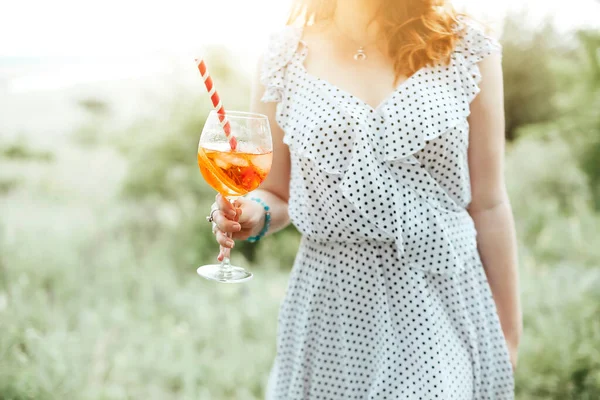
x,y
234,173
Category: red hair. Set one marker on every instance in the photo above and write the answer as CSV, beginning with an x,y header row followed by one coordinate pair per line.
x,y
417,32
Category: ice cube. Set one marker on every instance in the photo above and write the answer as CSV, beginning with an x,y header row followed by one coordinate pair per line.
x,y
234,160
221,163
263,162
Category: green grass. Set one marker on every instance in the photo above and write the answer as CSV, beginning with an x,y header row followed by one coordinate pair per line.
x,y
99,298
98,320
95,302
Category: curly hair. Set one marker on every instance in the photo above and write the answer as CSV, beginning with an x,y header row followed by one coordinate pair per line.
x,y
417,32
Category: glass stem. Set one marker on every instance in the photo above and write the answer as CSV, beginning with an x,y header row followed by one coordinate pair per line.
x,y
226,263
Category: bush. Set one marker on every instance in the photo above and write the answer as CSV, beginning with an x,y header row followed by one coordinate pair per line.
x,y
560,352
551,199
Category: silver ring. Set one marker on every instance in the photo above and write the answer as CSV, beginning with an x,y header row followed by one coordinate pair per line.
x,y
210,218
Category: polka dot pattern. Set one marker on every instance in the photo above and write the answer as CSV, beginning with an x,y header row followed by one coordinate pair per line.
x,y
388,298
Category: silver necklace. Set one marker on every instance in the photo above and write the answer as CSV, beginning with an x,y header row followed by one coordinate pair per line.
x,y
360,54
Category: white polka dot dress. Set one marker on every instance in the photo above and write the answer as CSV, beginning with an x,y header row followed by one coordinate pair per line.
x,y
388,298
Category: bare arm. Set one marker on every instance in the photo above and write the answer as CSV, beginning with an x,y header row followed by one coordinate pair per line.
x,y
274,191
490,206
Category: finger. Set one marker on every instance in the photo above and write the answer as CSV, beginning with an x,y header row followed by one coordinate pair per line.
x,y
225,206
224,240
242,235
225,224
237,203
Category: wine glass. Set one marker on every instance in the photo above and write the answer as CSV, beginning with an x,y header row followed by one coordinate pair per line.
x,y
234,173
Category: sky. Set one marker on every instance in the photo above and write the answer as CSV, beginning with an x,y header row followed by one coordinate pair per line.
x,y
133,27
47,45
52,52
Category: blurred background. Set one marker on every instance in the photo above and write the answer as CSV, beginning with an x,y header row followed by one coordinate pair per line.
x,y
102,205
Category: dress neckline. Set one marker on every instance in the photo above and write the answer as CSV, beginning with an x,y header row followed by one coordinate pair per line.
x,y
303,48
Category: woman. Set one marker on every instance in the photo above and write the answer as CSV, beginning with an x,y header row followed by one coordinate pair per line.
x,y
388,130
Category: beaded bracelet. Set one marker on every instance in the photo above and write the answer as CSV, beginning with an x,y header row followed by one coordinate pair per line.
x,y
265,229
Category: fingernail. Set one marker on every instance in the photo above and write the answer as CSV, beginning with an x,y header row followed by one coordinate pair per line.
x,y
231,214
230,243
237,227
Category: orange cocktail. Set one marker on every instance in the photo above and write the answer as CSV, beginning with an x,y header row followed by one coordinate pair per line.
x,y
234,173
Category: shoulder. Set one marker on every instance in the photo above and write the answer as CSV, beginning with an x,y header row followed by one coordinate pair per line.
x,y
283,41
281,46
279,51
475,40
477,55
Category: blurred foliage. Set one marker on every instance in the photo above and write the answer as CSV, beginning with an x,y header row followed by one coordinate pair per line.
x,y
553,173
98,293
94,106
90,134
582,126
6,185
530,80
560,355
21,151
552,206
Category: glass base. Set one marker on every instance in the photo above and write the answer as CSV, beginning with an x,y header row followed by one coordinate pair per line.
x,y
215,272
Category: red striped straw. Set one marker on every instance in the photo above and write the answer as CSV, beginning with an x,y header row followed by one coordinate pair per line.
x,y
216,101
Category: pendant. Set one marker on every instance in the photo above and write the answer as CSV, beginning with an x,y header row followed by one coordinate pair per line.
x,y
360,54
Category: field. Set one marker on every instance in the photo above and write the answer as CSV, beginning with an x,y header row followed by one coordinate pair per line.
x,y
102,227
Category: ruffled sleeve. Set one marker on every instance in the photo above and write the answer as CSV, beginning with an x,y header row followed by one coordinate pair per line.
x,y
473,47
280,51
